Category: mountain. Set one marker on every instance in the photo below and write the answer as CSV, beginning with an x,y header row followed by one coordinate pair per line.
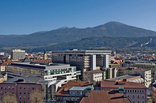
x,y
64,35
104,43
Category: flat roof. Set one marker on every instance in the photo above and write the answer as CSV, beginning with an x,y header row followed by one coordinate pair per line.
x,y
122,77
42,65
128,85
78,88
91,52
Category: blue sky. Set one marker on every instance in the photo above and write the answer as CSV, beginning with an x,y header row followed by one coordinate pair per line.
x,y
28,16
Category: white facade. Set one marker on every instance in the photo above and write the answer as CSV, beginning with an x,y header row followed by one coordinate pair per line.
x,y
17,54
95,75
146,75
106,61
59,75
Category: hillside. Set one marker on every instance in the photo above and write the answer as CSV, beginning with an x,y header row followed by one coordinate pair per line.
x,y
104,43
64,35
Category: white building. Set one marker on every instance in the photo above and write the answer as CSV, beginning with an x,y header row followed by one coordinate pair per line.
x,y
60,74
145,74
17,54
84,60
94,75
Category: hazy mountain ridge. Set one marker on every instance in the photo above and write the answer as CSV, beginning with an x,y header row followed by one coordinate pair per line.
x,y
65,35
104,43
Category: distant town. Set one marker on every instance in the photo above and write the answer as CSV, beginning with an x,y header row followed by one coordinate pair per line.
x,y
77,76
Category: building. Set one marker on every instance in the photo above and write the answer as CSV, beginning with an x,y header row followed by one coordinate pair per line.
x,y
99,75
73,91
22,91
84,60
3,74
45,57
134,91
52,75
17,54
94,75
128,78
145,74
57,75
102,96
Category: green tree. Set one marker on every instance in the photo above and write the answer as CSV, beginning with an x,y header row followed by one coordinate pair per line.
x,y
36,97
9,98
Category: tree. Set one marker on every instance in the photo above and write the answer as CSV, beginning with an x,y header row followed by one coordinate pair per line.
x,y
36,97
154,97
9,98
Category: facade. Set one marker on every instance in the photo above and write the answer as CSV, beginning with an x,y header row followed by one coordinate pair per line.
x,y
134,91
52,75
58,75
3,74
111,73
17,54
145,74
2,68
99,75
22,91
94,75
84,60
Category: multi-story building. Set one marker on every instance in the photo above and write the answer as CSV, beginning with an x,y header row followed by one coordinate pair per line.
x,y
128,78
73,91
3,74
136,92
82,92
52,75
102,96
58,75
94,75
17,54
145,74
99,75
22,91
84,60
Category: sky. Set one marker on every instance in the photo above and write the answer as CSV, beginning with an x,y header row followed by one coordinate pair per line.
x,y
28,16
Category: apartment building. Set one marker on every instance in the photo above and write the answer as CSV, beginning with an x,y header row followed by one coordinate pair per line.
x,y
136,92
58,75
84,60
17,54
73,91
145,74
99,75
22,91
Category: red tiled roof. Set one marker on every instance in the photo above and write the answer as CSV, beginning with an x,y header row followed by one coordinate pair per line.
x,y
112,84
104,97
8,62
43,61
70,84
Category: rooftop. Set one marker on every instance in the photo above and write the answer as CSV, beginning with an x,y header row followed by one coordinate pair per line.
x,y
77,88
104,96
124,77
42,65
64,90
84,51
112,84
